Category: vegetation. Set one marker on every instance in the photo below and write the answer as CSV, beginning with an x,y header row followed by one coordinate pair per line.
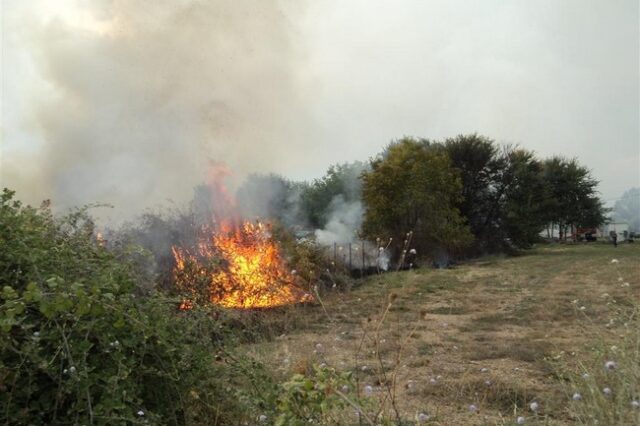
x,y
480,343
82,343
92,330
413,187
341,180
571,201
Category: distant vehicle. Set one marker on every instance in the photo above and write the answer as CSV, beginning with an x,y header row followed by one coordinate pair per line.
x,y
587,234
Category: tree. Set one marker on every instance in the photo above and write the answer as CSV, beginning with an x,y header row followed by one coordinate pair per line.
x,y
340,180
572,197
501,192
522,214
412,186
627,209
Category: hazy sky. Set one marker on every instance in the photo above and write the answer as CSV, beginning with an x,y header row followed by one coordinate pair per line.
x,y
125,101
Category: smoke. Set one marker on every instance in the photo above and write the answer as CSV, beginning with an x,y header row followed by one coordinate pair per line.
x,y
141,94
343,222
341,231
271,197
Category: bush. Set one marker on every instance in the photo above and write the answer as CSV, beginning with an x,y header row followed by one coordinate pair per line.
x,y
78,346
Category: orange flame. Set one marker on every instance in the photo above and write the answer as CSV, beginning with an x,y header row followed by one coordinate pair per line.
x,y
237,266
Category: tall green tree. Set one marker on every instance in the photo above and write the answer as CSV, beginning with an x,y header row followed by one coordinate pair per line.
x,y
412,186
501,192
572,199
522,212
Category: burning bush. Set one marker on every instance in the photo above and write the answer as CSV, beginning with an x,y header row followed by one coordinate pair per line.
x,y
77,346
237,267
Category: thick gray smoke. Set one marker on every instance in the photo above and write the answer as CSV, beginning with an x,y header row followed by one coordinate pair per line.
x,y
142,103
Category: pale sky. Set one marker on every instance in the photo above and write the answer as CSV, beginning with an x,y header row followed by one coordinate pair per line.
x,y
123,101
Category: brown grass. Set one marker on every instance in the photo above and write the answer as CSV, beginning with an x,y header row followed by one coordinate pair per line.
x,y
505,315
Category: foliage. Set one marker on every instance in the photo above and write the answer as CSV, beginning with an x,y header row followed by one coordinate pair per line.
x,y
340,180
78,346
571,199
605,388
502,192
316,398
413,187
309,260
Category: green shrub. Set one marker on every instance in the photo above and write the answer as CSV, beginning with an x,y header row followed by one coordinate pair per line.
x,y
79,344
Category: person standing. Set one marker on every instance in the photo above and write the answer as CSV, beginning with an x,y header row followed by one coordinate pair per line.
x,y
614,238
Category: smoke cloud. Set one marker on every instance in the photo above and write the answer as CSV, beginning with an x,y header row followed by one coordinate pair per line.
x,y
144,93
343,222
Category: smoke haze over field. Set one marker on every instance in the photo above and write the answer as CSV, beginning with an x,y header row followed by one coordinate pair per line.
x,y
142,93
126,101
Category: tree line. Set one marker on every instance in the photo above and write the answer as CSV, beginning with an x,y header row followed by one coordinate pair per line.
x,y
465,195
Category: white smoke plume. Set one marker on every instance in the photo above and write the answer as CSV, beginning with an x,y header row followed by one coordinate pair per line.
x,y
144,93
343,223
341,232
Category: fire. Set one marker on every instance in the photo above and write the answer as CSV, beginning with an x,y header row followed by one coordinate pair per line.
x,y
236,264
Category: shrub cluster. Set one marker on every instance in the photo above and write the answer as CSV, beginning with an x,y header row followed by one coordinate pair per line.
x,y
80,345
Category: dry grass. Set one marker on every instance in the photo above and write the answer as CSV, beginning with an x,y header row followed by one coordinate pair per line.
x,y
480,334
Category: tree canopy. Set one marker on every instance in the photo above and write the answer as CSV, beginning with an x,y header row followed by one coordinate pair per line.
x,y
412,186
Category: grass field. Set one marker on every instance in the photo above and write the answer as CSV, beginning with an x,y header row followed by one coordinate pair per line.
x,y
496,334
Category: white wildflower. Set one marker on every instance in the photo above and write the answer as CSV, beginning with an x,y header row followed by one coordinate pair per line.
x,y
140,413
487,383
484,370
368,390
413,251
610,365
614,261
534,406
520,420
576,396
473,408
319,348
433,381
585,376
262,418
583,308
635,404
607,391
625,284
36,334
72,369
423,417
293,272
